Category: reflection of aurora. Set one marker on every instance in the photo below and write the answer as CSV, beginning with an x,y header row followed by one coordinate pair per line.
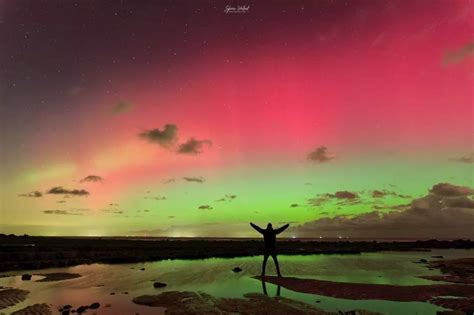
x,y
215,277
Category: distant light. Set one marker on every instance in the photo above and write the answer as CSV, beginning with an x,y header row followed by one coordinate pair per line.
x,y
293,237
339,237
320,237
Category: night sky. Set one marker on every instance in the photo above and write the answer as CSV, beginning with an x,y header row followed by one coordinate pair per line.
x,y
175,118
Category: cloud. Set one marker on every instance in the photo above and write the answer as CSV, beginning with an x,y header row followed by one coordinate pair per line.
x,y
449,190
121,107
166,138
61,212
320,155
338,195
193,146
227,198
156,198
59,190
92,179
32,194
205,207
344,195
469,159
384,193
458,55
446,212
378,193
199,179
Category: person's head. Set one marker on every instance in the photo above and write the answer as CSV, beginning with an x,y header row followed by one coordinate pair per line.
x,y
269,226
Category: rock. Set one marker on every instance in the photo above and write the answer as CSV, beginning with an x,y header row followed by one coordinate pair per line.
x,y
237,269
67,306
94,306
26,277
143,269
459,270
82,309
112,293
423,261
439,256
125,292
36,309
461,306
159,285
10,297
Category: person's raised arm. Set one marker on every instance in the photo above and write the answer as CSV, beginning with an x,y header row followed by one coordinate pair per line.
x,y
284,227
256,227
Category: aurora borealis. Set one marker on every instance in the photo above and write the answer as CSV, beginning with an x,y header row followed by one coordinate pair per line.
x,y
175,118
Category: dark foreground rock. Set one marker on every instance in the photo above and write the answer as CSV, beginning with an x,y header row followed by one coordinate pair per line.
x,y
237,269
159,285
26,277
58,276
463,306
10,297
82,309
36,309
94,306
187,303
455,270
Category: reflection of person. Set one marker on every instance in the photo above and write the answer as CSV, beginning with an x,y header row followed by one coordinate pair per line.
x,y
269,237
264,286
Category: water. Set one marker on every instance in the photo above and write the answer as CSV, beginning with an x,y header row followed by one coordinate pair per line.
x,y
214,276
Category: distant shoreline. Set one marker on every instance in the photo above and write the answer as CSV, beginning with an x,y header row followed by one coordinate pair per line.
x,y
208,238
31,252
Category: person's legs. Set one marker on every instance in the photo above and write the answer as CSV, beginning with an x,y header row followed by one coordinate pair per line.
x,y
275,260
265,257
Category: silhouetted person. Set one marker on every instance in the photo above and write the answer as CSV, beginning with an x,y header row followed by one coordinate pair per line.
x,y
269,237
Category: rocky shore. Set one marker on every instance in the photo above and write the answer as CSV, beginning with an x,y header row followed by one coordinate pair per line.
x,y
10,297
27,253
188,303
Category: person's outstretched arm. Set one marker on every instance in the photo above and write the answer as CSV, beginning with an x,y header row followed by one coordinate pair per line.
x,y
284,227
256,227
